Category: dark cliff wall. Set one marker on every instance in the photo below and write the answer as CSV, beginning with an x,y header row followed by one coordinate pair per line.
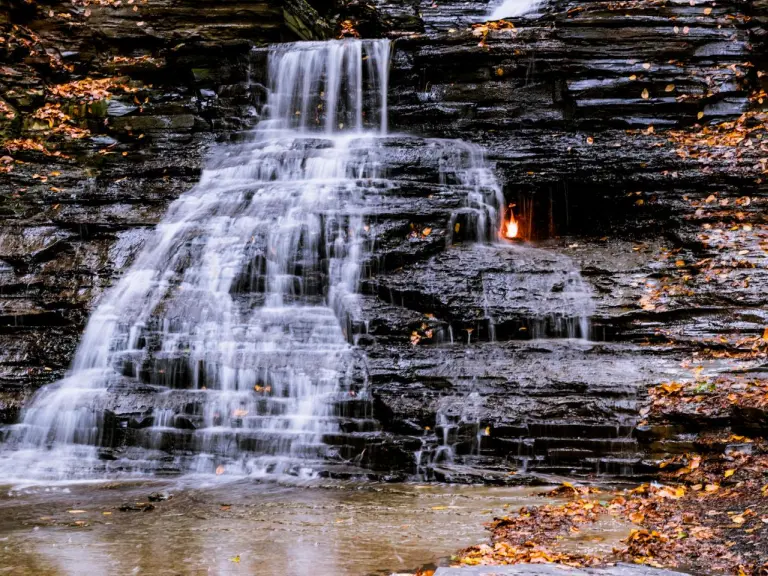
x,y
631,137
624,133
90,166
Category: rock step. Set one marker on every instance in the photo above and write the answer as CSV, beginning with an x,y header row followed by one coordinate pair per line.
x,y
267,422
550,446
237,442
570,430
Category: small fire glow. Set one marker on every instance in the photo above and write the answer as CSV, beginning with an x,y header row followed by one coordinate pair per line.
x,y
511,227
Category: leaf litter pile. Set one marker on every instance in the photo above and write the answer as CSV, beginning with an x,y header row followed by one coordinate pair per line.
x,y
708,516
706,513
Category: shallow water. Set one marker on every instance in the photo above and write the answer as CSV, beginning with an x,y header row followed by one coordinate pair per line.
x,y
242,527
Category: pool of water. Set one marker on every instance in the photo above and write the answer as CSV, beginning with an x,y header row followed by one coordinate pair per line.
x,y
212,526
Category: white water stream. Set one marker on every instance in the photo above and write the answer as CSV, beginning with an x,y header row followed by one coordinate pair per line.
x,y
513,9
225,347
236,298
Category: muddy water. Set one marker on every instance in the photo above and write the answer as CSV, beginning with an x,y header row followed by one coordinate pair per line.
x,y
206,527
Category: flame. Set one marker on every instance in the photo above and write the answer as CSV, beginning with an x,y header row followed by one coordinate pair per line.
x,y
511,227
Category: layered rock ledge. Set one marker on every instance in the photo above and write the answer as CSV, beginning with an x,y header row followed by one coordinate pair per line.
x,y
630,137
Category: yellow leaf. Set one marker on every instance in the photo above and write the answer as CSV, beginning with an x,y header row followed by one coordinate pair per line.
x,y
236,559
427,231
645,94
669,88
76,511
707,11
711,198
700,115
456,227
729,473
637,517
765,334
439,507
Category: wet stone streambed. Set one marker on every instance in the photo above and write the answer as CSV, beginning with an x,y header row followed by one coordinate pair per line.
x,y
243,527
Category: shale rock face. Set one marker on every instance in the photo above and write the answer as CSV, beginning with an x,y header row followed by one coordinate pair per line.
x,y
592,115
607,124
89,168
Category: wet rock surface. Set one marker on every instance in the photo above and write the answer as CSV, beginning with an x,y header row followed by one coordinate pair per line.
x,y
579,110
76,206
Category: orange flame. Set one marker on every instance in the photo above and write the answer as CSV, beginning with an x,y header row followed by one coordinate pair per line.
x,y
511,227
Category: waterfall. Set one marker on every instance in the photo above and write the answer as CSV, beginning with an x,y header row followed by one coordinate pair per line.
x,y
223,343
513,9
226,347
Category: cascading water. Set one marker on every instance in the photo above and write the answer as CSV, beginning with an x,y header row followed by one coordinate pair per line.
x,y
222,343
513,9
227,345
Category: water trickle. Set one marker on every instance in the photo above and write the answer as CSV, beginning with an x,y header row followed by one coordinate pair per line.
x,y
514,8
224,342
227,345
464,163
